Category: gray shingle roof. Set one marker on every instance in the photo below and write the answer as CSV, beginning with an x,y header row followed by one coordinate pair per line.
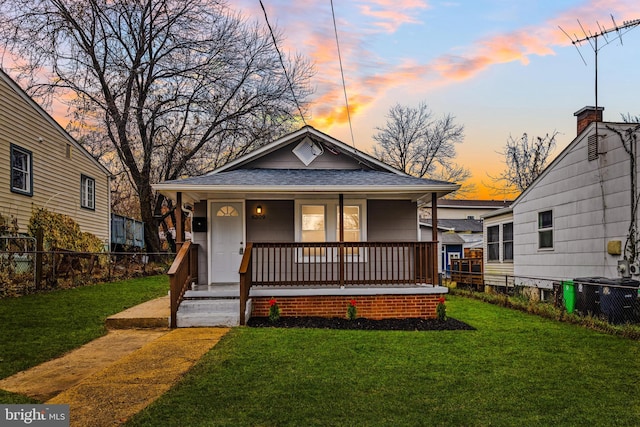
x,y
306,177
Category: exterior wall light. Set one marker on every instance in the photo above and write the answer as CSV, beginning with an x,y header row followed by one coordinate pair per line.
x,y
259,210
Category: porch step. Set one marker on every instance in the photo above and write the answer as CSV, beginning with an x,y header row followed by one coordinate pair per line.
x,y
207,312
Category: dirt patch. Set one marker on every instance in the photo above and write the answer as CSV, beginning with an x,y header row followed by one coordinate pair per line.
x,y
112,395
51,378
411,324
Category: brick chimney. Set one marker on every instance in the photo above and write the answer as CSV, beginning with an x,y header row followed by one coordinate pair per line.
x,y
587,115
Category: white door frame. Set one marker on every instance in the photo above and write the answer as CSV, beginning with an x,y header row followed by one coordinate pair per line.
x,y
210,232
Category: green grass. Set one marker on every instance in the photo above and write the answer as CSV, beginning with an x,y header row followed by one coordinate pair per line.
x,y
515,369
36,328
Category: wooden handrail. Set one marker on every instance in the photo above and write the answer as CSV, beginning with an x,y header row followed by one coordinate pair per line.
x,y
182,273
245,280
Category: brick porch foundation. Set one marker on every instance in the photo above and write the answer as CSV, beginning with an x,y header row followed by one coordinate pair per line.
x,y
379,306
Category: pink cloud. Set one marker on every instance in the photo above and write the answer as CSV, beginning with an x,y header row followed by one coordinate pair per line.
x,y
390,15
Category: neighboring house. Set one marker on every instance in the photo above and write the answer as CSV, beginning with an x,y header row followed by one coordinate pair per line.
x,y
498,246
278,208
454,237
42,166
460,221
465,209
575,219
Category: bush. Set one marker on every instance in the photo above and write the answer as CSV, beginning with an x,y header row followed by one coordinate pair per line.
x,y
62,232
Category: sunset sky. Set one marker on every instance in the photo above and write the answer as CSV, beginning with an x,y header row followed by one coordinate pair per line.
x,y
500,67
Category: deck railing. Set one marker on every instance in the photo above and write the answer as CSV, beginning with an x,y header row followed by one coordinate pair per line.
x,y
336,264
467,271
183,272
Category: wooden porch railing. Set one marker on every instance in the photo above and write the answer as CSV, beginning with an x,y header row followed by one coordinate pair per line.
x,y
182,273
336,264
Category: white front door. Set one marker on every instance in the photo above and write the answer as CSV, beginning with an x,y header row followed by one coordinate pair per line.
x,y
227,241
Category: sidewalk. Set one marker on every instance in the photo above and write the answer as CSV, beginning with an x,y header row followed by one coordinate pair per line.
x,y
112,378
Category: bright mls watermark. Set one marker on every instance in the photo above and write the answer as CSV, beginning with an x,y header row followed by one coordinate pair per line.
x,y
34,415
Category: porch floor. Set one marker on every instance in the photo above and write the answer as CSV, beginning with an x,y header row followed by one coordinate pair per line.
x,y
232,290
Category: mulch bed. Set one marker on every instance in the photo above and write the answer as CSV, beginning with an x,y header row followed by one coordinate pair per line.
x,y
411,324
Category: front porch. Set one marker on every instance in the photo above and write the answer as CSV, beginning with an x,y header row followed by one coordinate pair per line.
x,y
387,279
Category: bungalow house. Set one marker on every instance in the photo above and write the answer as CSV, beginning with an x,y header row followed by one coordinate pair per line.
x,y
310,221
42,166
579,218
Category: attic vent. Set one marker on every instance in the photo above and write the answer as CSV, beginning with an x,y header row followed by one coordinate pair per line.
x,y
307,151
592,144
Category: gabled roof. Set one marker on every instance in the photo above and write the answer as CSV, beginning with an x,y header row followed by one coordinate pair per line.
x,y
365,175
18,90
577,140
316,136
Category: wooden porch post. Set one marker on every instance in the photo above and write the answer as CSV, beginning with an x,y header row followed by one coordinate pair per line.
x,y
179,223
341,237
434,235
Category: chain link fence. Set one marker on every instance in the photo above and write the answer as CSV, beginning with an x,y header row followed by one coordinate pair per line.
x,y
24,270
614,300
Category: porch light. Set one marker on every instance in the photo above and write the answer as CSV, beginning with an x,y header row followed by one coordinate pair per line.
x,y
259,210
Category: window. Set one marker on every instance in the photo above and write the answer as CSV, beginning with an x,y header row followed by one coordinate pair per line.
x,y
313,229
21,171
507,242
545,230
227,210
88,192
351,218
493,243
313,223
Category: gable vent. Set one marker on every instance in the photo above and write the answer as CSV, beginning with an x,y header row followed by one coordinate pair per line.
x,y
592,144
307,151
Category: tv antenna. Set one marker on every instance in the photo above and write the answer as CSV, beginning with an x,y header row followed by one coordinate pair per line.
x,y
592,38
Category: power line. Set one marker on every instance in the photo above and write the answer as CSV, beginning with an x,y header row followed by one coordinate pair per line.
x,y
275,44
344,86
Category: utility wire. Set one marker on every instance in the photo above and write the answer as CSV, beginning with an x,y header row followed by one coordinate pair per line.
x,y
275,44
344,86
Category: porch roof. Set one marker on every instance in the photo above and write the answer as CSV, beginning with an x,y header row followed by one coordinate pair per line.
x,y
306,181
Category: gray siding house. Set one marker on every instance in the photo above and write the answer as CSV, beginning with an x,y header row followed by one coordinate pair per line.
x,y
312,211
579,218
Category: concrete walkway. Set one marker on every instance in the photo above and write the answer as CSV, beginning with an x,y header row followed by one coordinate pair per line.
x,y
112,378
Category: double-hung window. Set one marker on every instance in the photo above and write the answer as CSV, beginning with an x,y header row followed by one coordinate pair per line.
x,y
313,228
545,230
317,224
507,241
493,243
87,192
21,170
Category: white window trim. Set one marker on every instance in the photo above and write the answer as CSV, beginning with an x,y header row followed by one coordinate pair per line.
x,y
85,201
552,229
331,223
28,172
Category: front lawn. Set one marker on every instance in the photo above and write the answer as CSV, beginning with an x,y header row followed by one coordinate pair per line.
x,y
515,369
40,327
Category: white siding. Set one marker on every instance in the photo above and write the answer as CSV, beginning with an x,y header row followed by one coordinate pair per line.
x,y
590,201
496,271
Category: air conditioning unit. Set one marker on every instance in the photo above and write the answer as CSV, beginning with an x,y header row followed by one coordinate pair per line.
x,y
307,151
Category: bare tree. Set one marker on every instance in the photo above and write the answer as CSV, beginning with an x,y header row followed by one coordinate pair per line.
x,y
176,87
525,159
420,145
